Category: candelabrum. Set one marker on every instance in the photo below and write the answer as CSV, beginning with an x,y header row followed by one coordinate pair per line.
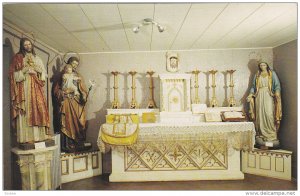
x,y
197,99
115,103
213,101
133,104
231,101
151,103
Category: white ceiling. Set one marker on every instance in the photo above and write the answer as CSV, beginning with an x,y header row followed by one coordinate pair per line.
x,y
108,27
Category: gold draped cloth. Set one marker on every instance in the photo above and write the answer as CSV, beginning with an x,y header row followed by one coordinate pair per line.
x,y
120,130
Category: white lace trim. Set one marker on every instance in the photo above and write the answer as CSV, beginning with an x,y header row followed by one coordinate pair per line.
x,y
239,135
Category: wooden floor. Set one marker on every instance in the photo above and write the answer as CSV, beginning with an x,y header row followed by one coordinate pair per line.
x,y
251,182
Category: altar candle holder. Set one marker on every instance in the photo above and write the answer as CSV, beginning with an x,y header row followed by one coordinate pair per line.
x,y
213,101
133,104
115,103
151,103
197,99
231,101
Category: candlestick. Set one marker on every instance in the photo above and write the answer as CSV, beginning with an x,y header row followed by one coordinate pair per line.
x,y
231,101
213,101
197,99
151,103
133,104
115,103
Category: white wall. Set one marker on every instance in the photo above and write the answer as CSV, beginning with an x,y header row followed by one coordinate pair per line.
x,y
98,67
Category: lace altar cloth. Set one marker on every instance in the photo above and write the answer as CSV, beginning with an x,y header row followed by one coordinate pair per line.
x,y
239,135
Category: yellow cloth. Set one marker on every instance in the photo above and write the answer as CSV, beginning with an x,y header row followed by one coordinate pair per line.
x,y
135,118
148,117
120,129
110,118
122,118
125,140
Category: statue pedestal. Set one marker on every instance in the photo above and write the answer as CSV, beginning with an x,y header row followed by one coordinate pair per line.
x,y
270,163
31,146
76,166
36,168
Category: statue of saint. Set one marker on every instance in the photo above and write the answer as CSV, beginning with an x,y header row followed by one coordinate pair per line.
x,y
71,94
29,111
265,106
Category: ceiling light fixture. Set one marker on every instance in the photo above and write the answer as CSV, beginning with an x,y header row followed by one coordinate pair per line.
x,y
148,21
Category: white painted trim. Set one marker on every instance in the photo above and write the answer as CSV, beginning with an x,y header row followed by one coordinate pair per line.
x,y
157,51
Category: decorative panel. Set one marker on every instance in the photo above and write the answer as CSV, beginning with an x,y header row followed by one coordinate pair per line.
x,y
80,164
77,166
64,167
270,163
265,162
183,155
279,164
251,160
95,161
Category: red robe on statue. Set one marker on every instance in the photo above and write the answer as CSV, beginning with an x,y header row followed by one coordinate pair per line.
x,y
35,110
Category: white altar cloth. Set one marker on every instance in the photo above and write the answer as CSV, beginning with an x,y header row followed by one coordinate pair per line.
x,y
240,135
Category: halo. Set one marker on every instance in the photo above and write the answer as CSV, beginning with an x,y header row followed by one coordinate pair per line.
x,y
25,34
255,55
70,52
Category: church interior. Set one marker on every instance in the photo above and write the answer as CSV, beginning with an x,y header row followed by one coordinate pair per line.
x,y
150,96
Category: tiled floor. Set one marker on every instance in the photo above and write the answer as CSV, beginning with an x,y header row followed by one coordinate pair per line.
x,y
251,182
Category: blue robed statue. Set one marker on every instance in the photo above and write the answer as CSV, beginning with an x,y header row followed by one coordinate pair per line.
x,y
265,106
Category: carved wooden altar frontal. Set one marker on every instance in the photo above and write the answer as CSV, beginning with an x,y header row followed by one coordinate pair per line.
x,y
179,155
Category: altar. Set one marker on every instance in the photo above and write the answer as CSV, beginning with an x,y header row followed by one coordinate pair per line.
x,y
199,151
178,144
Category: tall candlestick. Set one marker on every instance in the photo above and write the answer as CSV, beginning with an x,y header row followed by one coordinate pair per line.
x,y
231,101
197,99
133,104
213,101
115,103
151,103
